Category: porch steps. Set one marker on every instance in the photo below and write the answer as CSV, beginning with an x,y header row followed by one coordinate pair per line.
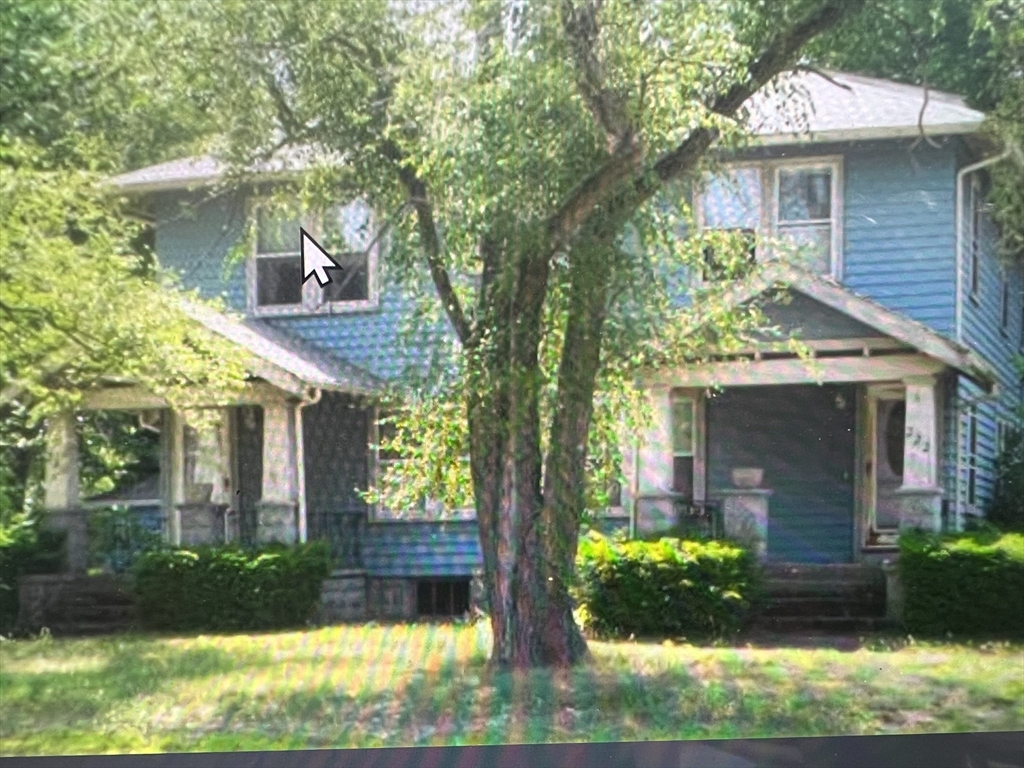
x,y
830,598
84,605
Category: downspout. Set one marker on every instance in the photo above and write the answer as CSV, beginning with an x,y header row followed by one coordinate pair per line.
x,y
300,459
634,489
959,309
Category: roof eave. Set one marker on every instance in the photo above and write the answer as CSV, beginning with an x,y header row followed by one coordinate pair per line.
x,y
864,134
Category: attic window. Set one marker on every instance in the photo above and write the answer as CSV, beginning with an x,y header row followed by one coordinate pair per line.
x,y
276,285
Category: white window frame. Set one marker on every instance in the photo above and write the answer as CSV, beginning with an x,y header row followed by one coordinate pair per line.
x,y
768,223
312,302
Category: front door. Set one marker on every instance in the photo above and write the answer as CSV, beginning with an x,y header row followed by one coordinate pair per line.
x,y
884,469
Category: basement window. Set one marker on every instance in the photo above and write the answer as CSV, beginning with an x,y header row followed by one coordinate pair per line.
x,y
442,598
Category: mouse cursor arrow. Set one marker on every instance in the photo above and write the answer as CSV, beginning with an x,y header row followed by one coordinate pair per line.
x,y
315,260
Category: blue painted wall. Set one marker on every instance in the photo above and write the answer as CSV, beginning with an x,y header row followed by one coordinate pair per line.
x,y
984,331
805,444
412,549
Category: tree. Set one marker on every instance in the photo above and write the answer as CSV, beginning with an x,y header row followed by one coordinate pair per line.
x,y
974,48
532,145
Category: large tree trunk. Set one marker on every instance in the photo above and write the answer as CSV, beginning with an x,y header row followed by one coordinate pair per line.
x,y
529,520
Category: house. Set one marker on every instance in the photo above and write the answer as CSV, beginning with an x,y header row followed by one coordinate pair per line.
x,y
913,321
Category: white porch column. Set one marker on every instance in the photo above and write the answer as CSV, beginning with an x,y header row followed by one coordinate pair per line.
x,y
61,489
278,506
654,508
920,494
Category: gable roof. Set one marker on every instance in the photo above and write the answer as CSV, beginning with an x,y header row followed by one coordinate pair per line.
x,y
284,361
871,314
846,107
806,108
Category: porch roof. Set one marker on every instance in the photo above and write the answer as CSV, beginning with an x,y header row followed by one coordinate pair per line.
x,y
872,314
284,361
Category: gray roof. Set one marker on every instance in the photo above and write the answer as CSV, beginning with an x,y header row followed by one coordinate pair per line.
x,y
283,360
809,107
844,107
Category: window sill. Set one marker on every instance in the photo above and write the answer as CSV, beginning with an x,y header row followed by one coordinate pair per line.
x,y
324,310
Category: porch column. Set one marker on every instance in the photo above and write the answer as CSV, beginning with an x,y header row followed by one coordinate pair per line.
x,y
920,495
61,488
654,505
279,503
208,489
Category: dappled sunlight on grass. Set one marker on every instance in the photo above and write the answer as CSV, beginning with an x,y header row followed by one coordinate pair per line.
x,y
430,684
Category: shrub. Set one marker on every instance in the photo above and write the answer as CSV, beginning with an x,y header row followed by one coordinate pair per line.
x,y
1006,510
25,548
665,588
229,589
968,584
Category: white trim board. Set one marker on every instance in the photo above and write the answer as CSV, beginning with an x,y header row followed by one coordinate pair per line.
x,y
795,371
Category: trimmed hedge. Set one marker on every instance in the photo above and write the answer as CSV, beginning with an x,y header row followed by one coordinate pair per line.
x,y
969,584
230,589
666,588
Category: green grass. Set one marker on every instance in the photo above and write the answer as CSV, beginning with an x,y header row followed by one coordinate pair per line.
x,y
409,685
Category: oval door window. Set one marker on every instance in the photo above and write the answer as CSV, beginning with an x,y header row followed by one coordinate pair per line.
x,y
895,427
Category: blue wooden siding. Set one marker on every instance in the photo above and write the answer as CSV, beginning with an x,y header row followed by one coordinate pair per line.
x,y
899,230
196,241
805,443
416,549
335,435
813,320
983,331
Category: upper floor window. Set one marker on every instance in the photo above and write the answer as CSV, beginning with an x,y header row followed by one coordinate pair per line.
x,y
275,275
794,202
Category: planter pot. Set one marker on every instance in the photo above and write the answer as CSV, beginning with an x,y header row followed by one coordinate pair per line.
x,y
747,477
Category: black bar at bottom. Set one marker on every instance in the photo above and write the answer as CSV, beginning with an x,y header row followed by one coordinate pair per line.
x,y
956,750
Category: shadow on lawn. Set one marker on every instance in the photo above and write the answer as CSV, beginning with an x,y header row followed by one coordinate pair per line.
x,y
124,670
469,702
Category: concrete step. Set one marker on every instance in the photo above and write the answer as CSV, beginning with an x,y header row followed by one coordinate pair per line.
x,y
812,606
837,589
821,623
846,573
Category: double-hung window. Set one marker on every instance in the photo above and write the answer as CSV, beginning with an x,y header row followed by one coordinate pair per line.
x,y
797,203
275,276
683,444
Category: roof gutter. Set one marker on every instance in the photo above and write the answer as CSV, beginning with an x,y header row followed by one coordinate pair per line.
x,y
960,176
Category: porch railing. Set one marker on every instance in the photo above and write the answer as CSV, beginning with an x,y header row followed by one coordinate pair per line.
x,y
343,530
119,533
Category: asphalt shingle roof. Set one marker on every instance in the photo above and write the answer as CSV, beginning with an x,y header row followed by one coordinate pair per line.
x,y
841,107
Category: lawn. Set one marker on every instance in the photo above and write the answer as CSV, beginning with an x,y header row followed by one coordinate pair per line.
x,y
428,684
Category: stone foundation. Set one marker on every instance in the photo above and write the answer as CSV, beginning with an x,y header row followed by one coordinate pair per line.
x,y
344,598
277,521
391,599
654,515
920,508
746,518
201,524
894,594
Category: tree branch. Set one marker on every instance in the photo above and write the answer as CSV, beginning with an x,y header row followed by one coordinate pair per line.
x,y
605,182
416,191
582,30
